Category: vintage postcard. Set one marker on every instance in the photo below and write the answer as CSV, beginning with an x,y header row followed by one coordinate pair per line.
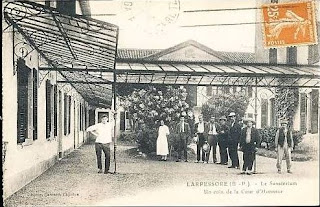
x,y
160,103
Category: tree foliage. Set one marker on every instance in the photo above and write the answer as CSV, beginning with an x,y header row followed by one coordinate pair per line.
x,y
287,101
223,104
150,105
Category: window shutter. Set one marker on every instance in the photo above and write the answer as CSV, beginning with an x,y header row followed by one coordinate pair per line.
x,y
35,104
273,56
22,93
273,112
65,114
314,110
55,108
122,121
209,90
292,55
80,117
250,91
303,111
264,112
69,114
48,109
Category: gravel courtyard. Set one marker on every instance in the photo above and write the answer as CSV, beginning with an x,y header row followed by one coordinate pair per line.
x,y
140,181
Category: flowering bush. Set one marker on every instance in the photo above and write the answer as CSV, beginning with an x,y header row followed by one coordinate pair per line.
x,y
151,105
148,106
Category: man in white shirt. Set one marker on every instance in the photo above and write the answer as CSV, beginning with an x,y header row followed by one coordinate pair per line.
x,y
104,133
201,131
212,138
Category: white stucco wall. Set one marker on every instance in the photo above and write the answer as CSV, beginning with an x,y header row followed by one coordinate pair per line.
x,y
24,162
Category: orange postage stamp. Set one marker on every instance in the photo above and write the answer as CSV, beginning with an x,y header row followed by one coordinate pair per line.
x,y
289,24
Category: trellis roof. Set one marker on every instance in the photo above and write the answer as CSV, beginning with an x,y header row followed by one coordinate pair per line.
x,y
66,40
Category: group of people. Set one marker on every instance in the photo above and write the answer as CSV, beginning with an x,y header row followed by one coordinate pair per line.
x,y
228,136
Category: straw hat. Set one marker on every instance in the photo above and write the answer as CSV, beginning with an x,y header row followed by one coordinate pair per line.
x,y
232,114
223,118
249,119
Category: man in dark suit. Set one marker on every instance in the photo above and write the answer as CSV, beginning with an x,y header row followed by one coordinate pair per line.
x,y
249,140
222,130
184,132
233,141
201,130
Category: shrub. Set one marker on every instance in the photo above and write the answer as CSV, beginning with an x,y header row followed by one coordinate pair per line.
x,y
297,138
128,137
146,140
267,135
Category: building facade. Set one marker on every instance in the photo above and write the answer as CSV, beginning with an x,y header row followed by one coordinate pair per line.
x,y
42,120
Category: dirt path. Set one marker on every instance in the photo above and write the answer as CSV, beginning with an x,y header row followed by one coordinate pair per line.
x,y
74,181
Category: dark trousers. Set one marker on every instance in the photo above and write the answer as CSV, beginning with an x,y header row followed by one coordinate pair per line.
x,y
233,153
213,142
248,158
223,151
106,149
199,147
182,147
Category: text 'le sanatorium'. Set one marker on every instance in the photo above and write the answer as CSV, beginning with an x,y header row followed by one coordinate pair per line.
x,y
238,183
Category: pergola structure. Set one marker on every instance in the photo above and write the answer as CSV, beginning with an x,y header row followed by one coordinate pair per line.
x,y
83,52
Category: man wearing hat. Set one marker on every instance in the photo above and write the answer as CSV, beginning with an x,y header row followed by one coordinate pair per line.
x,y
233,141
284,145
249,140
222,130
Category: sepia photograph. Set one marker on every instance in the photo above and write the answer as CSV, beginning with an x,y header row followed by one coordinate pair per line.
x,y
160,102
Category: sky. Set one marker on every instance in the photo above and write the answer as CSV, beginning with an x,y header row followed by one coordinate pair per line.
x,y
155,24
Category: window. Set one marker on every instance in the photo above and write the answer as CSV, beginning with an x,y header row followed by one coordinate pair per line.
x,y
273,120
122,121
273,56
47,2
65,114
48,108
67,6
250,91
81,123
69,115
35,104
292,55
23,74
234,89
55,108
209,90
314,110
313,54
226,89
303,112
264,113
27,103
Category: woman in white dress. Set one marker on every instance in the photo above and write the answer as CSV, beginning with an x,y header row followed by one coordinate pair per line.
x,y
162,141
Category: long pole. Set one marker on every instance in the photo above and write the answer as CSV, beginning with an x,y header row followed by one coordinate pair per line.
x,y
255,119
114,105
